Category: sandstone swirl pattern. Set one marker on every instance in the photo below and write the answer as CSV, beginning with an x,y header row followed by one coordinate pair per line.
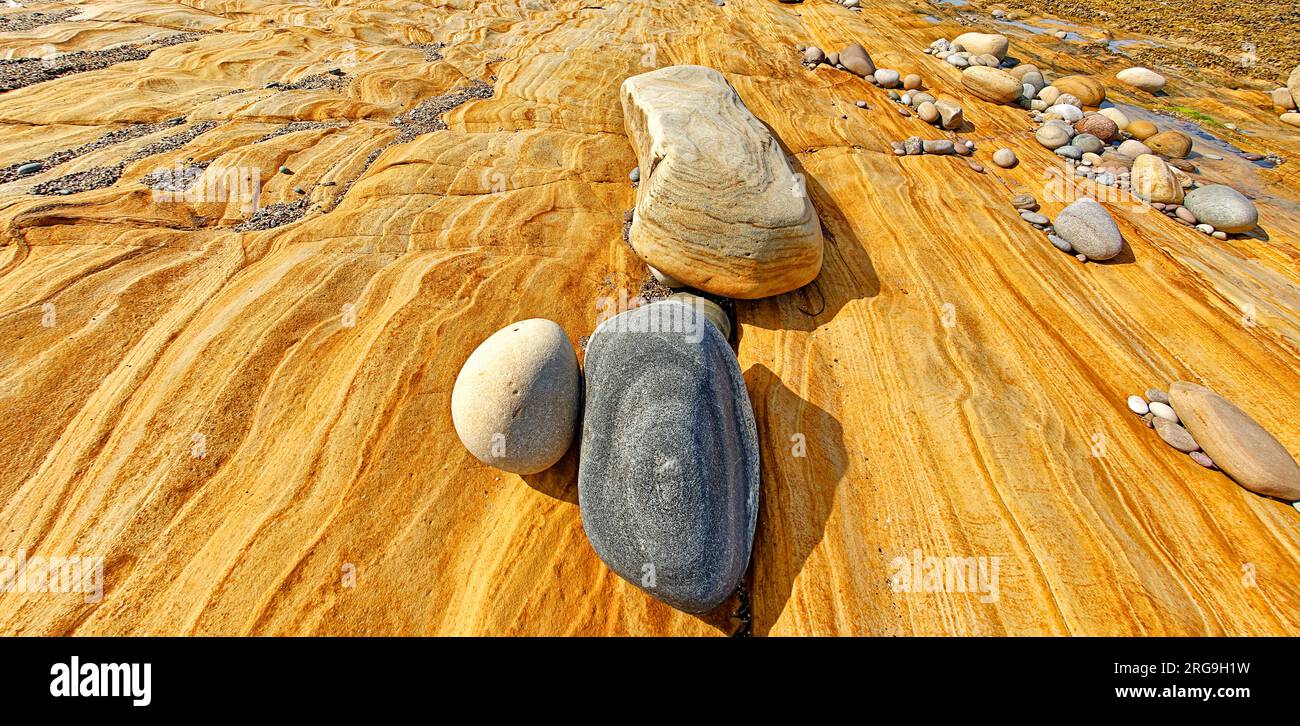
x,y
719,207
327,437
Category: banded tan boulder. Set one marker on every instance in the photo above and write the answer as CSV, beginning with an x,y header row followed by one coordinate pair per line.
x,y
718,207
1089,90
1173,144
1153,180
992,84
1142,129
994,44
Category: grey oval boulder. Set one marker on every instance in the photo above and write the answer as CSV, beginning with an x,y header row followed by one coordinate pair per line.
x,y
1222,207
1088,143
1089,229
515,401
668,481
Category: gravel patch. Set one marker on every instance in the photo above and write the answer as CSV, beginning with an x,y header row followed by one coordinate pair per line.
x,y
275,215
1219,28
427,117
23,72
106,176
432,51
652,290
179,179
173,142
27,21
296,126
135,131
82,181
313,82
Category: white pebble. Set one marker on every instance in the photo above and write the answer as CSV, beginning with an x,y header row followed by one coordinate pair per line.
x,y
1163,411
1138,405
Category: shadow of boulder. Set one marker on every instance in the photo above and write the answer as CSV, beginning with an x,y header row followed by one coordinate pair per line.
x,y
803,461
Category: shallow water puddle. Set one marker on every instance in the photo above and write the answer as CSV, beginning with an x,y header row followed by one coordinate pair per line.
x,y
1074,31
1038,30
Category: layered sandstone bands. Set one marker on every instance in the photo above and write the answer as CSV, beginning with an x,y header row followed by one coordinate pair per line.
x,y
719,207
329,446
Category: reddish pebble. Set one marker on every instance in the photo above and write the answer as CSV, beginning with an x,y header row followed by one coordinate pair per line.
x,y
1200,458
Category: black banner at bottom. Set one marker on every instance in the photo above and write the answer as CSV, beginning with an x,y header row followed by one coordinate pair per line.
x,y
300,676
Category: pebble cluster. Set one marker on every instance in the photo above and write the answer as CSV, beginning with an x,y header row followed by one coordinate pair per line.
x,y
1216,434
1157,414
915,146
1286,98
971,49
1107,148
1087,230
942,113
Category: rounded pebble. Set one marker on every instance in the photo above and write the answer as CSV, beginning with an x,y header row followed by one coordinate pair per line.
x,y
1138,405
1025,201
1176,436
1164,411
1005,158
887,78
927,112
